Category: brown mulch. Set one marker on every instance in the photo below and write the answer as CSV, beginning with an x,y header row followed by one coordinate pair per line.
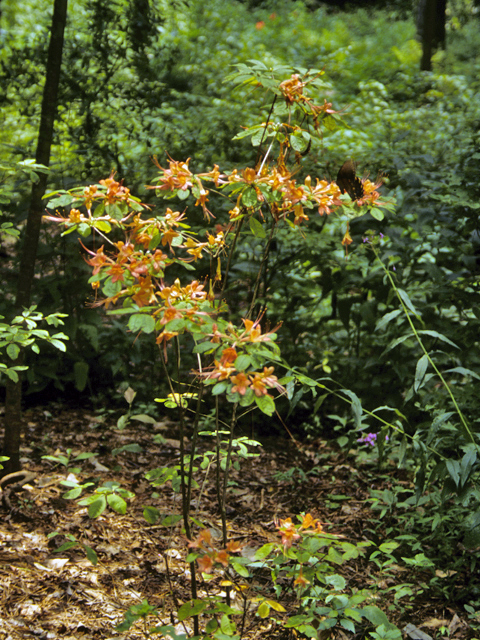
x,y
51,595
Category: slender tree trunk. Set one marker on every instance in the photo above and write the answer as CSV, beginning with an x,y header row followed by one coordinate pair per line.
x,y
431,29
13,418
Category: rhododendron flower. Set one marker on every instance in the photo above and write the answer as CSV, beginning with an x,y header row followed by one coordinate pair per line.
x,y
222,557
288,532
228,356
205,564
241,383
300,580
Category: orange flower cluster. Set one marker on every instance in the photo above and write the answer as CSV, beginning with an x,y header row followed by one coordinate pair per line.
x,y
294,195
224,369
204,542
290,532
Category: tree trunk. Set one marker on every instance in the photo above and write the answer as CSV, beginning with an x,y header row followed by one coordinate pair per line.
x,y
431,29
13,420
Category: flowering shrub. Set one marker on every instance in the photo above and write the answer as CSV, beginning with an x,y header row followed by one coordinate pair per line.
x,y
131,276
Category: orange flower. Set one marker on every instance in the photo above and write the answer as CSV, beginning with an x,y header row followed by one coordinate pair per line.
x,y
234,547
205,564
117,272
169,314
229,355
241,383
222,557
288,533
308,521
300,580
99,260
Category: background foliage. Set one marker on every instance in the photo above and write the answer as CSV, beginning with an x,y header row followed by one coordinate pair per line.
x,y
143,79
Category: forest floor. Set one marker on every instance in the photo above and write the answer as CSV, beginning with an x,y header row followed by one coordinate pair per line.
x,y
51,595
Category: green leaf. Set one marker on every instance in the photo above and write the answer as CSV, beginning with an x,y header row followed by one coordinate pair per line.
x,y
264,551
13,375
348,625
142,417
240,569
102,225
263,610
141,322
227,626
389,546
220,387
256,228
375,615
73,493
58,344
337,582
134,447
192,608
376,213
91,555
66,545
97,507
388,317
13,350
453,467
463,372
422,365
117,503
439,336
151,514
356,407
266,404
242,362
406,301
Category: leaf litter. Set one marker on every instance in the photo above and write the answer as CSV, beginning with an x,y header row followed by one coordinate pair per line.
x,y
51,595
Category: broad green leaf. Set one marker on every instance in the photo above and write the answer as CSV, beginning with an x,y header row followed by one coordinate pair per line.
x,y
227,625
266,404
348,625
256,228
117,503
249,198
389,546
141,322
97,507
375,615
453,467
13,350
242,362
151,514
72,494
422,365
58,344
264,551
376,213
192,608
240,569
337,582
